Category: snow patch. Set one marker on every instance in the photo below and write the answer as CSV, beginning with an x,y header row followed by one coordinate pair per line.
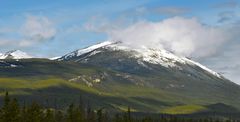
x,y
203,67
91,48
85,50
55,58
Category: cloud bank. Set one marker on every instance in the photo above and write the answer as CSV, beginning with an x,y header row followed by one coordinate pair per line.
x,y
34,30
37,29
182,36
226,16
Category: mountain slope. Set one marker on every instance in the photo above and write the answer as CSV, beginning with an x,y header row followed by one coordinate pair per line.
x,y
15,54
64,82
114,76
159,69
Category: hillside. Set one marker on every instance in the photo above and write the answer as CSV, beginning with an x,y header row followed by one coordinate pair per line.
x,y
114,78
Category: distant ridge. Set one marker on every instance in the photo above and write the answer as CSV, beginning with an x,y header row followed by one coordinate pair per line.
x,y
15,54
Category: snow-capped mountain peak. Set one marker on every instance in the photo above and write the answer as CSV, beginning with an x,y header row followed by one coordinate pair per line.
x,y
86,50
167,59
15,54
91,48
142,55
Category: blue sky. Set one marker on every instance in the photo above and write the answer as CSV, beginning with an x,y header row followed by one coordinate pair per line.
x,y
48,28
65,14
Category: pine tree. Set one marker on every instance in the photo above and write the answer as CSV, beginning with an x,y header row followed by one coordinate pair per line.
x,y
105,117
6,99
49,116
70,113
117,118
90,114
59,117
129,119
14,111
81,110
78,115
6,116
34,113
147,119
23,113
1,115
99,115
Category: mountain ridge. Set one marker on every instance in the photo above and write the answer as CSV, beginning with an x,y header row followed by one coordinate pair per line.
x,y
149,55
115,76
154,56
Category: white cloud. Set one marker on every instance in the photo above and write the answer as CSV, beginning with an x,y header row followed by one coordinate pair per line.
x,y
25,43
34,30
4,42
101,24
216,47
37,29
183,36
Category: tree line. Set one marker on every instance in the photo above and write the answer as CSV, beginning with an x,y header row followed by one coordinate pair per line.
x,y
11,111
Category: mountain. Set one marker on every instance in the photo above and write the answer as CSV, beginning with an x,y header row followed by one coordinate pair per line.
x,y
15,54
115,76
144,58
160,70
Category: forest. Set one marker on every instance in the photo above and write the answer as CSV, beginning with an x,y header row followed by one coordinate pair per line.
x,y
11,111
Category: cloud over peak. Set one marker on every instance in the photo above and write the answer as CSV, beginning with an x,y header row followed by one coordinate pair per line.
x,y
183,36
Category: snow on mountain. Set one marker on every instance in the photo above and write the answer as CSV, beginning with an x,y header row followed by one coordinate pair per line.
x,y
15,54
91,48
143,54
203,67
54,58
168,59
86,50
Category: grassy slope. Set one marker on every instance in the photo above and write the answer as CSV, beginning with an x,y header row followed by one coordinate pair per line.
x,y
184,109
190,82
43,80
